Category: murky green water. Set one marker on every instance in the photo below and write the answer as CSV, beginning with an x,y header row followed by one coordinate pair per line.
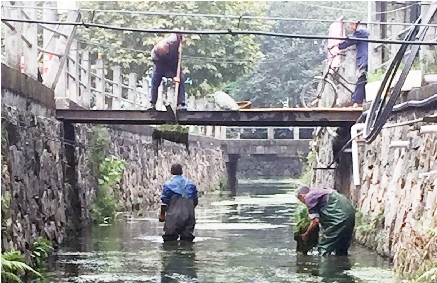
x,y
246,239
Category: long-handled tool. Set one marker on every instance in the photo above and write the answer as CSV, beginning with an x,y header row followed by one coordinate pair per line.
x,y
178,82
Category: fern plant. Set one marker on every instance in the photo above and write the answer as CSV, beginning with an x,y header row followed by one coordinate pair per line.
x,y
41,250
13,265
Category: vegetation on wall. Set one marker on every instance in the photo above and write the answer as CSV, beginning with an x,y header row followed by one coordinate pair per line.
x,y
307,172
108,171
106,204
174,133
13,267
41,250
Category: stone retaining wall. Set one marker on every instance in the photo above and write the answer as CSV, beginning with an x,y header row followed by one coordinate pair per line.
x,y
38,195
268,166
397,208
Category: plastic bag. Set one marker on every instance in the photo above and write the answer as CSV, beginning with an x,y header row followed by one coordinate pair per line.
x,y
224,101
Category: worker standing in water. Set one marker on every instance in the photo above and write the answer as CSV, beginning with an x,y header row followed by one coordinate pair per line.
x,y
179,199
335,214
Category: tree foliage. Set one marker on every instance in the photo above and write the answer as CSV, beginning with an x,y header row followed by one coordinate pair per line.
x,y
209,60
289,63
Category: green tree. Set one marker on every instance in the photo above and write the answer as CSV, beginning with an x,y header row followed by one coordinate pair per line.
x,y
206,58
289,63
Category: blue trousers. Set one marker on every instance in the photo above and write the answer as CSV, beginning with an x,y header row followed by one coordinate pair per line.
x,y
360,88
157,76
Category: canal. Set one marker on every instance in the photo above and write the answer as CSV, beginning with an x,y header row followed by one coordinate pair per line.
x,y
248,238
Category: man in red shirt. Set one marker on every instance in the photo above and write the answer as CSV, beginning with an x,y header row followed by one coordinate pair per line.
x,y
165,56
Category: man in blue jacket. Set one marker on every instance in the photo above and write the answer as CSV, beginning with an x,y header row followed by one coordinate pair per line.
x,y
165,56
179,198
361,60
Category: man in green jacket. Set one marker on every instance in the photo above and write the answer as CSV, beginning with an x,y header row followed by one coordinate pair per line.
x,y
335,214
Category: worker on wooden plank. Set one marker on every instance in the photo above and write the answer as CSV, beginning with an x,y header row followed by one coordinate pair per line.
x,y
179,199
165,55
361,60
335,214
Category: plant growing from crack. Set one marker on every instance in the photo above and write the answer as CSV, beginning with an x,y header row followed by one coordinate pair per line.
x,y
109,172
106,204
41,251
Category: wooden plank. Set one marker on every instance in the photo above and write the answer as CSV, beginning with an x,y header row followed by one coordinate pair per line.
x,y
317,109
212,118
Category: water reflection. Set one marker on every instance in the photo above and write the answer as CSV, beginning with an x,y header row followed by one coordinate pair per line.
x,y
178,262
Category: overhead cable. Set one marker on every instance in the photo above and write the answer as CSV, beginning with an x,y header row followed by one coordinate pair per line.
x,y
221,32
237,17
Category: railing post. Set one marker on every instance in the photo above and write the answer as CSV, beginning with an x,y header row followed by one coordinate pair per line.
x,y
296,133
30,53
159,101
132,94
191,104
100,83
222,132
146,92
77,69
72,69
270,133
171,97
85,77
209,106
116,88
13,41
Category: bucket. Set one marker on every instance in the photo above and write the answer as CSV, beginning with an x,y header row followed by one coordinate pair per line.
x,y
244,104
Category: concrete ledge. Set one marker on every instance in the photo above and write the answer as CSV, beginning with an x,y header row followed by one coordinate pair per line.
x,y
415,94
419,93
27,87
289,148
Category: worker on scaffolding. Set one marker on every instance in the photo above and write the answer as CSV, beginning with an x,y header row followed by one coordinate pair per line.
x,y
179,199
335,214
361,60
166,57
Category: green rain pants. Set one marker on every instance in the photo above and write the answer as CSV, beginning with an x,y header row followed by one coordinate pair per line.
x,y
337,218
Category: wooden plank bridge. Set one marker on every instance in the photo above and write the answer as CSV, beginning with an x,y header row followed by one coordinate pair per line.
x,y
89,92
268,117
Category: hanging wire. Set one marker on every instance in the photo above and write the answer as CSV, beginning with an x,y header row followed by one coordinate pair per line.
x,y
222,32
237,17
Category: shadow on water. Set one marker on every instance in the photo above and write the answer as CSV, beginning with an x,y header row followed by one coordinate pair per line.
x,y
248,238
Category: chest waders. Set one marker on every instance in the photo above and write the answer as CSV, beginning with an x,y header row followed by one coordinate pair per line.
x,y
337,218
180,218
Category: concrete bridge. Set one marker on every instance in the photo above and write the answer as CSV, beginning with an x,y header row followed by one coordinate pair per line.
x,y
286,154
285,147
